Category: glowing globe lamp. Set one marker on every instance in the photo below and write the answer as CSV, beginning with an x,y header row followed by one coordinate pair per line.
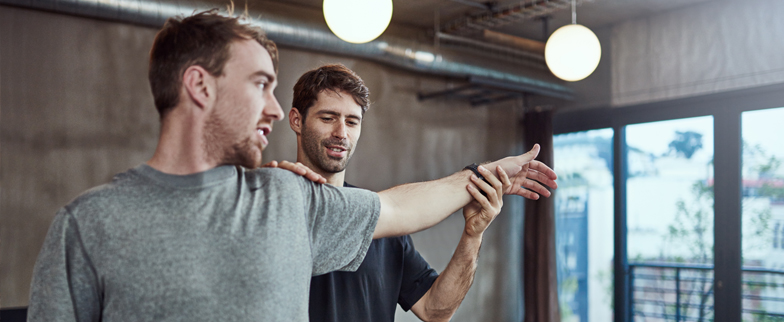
x,y
358,21
572,52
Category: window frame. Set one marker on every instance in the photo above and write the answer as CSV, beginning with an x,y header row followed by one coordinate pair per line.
x,y
726,109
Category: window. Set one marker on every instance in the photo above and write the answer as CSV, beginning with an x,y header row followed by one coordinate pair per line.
x,y
584,224
680,193
669,218
763,214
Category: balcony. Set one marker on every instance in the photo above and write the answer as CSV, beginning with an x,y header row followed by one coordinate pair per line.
x,y
682,292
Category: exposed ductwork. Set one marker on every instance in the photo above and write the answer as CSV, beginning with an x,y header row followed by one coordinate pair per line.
x,y
498,17
293,32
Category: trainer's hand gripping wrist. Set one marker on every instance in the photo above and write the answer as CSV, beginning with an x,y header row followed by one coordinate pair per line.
x,y
474,168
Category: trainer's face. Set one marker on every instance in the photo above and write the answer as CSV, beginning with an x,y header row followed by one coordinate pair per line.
x,y
331,131
245,106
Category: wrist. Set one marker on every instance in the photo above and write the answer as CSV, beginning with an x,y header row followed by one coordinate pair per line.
x,y
469,247
474,168
472,235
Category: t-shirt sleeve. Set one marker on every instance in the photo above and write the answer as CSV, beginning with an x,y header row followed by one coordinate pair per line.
x,y
64,286
418,276
341,222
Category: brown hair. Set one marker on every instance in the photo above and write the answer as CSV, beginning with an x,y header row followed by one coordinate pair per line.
x,y
329,78
202,39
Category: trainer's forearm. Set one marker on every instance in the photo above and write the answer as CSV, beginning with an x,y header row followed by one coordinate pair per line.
x,y
442,300
412,207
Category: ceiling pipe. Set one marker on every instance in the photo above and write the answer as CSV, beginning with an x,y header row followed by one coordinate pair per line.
x,y
525,44
290,32
502,16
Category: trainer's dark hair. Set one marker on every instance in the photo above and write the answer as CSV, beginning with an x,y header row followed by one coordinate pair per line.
x,y
334,78
202,39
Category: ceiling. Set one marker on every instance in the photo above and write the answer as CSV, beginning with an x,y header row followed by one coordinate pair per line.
x,y
591,13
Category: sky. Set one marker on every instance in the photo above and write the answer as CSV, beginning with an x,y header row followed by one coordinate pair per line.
x,y
765,128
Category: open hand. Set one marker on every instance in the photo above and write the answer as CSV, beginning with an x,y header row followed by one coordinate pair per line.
x,y
297,168
480,212
529,177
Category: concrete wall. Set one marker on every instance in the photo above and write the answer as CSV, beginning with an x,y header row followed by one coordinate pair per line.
x,y
75,108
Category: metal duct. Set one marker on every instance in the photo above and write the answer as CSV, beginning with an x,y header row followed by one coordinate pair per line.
x,y
499,17
302,34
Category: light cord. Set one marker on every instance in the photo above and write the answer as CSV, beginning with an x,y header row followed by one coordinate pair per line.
x,y
574,12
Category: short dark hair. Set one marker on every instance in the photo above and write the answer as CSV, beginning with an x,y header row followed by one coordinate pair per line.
x,y
202,39
334,78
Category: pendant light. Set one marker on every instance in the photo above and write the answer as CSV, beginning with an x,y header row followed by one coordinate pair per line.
x,y
357,21
573,51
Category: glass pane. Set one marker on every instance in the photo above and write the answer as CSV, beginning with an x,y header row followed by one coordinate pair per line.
x,y
763,215
669,209
584,224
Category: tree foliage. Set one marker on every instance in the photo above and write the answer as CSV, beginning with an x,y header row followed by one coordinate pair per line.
x,y
686,143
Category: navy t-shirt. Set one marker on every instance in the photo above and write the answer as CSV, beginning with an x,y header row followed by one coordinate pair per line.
x,y
392,273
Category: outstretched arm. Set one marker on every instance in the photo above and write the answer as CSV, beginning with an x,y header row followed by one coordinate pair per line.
x,y
450,288
409,208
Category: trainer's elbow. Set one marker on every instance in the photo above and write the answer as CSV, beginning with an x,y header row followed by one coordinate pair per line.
x,y
431,308
436,314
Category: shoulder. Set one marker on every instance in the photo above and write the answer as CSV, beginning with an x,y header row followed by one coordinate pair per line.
x,y
279,184
271,176
102,196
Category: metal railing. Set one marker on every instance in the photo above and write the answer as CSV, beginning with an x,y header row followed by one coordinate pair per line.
x,y
763,295
684,292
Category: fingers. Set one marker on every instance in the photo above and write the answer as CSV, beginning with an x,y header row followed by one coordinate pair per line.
x,y
515,164
523,183
531,154
271,164
496,190
482,200
527,194
542,178
293,167
481,185
312,175
536,187
519,178
302,170
481,212
544,169
315,177
506,183
528,189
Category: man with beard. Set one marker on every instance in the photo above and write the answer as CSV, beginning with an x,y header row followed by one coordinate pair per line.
x,y
328,108
198,233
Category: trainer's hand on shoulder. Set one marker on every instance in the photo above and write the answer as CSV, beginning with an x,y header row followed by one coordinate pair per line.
x,y
481,212
297,168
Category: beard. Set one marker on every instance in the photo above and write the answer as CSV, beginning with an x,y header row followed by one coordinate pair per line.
x,y
312,146
230,148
